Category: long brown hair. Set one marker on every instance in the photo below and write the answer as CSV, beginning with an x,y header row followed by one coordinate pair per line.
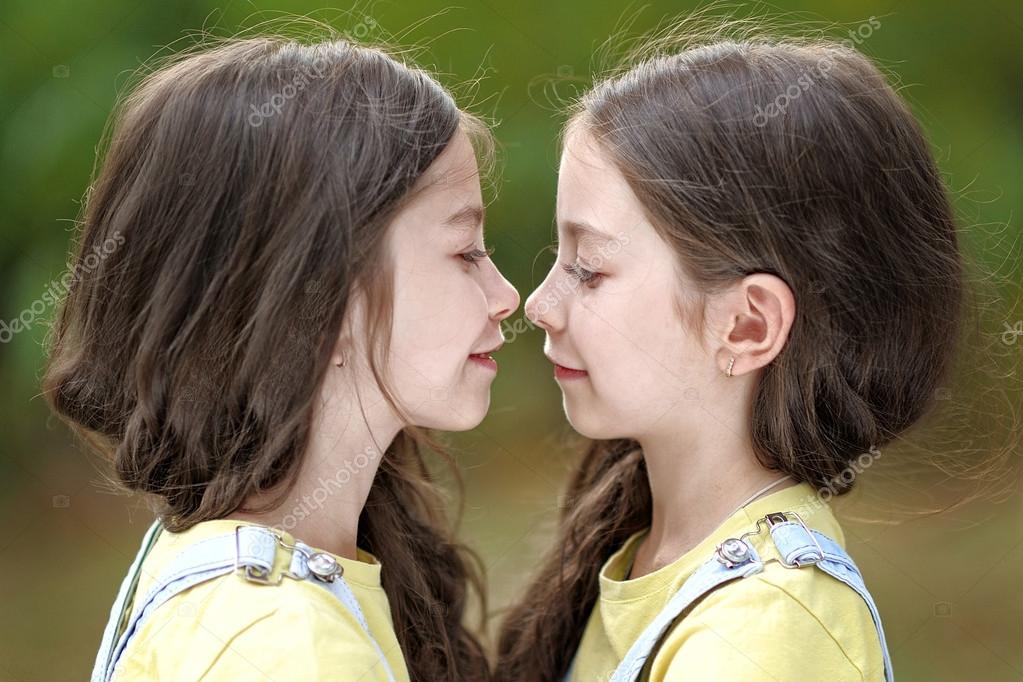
x,y
832,189
245,193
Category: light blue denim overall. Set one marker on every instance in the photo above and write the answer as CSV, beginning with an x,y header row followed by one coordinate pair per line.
x,y
250,552
798,546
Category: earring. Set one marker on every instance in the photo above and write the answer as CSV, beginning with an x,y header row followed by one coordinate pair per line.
x,y
730,363
344,360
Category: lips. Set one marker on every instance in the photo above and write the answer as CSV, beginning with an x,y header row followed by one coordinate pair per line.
x,y
565,372
568,373
486,354
485,359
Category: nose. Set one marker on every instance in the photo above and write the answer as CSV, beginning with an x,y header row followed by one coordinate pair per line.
x,y
503,298
541,306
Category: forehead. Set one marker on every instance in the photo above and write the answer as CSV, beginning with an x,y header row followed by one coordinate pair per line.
x,y
453,173
591,188
446,200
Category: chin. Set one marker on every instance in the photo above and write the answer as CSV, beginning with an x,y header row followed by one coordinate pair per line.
x,y
462,417
589,425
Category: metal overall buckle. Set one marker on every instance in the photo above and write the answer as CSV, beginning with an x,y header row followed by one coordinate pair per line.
x,y
734,552
780,517
322,565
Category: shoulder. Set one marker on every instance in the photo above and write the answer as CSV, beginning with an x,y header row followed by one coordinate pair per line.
x,y
302,638
764,625
234,629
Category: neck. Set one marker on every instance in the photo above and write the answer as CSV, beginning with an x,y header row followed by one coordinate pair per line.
x,y
341,460
695,486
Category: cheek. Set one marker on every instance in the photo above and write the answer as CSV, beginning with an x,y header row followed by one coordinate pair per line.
x,y
634,343
438,315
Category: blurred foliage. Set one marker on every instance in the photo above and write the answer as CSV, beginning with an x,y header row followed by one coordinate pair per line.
x,y
67,540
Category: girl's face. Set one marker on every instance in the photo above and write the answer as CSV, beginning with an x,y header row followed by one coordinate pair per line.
x,y
449,298
621,353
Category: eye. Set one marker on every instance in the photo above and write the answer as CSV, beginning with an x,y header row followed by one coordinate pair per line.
x,y
587,277
476,255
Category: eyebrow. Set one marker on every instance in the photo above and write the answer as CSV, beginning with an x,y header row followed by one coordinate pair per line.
x,y
468,217
581,232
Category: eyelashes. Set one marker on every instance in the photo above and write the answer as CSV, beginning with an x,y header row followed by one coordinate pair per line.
x,y
477,255
587,277
582,274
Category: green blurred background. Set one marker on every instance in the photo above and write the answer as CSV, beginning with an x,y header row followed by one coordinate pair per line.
x,y
946,584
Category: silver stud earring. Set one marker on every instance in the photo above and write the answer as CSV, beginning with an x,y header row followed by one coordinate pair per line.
x,y
730,363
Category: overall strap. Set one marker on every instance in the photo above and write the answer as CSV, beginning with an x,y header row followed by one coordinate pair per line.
x,y
798,546
710,575
123,600
798,549
251,551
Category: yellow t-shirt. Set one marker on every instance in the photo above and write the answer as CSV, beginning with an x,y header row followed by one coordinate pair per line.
x,y
232,629
781,624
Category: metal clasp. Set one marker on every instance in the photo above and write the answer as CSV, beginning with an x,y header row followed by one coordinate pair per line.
x,y
254,573
733,552
780,517
323,566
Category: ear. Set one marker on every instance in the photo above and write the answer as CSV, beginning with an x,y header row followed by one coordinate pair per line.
x,y
347,345
759,314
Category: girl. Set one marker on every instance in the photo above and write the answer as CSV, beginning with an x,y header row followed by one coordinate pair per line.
x,y
297,288
759,285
